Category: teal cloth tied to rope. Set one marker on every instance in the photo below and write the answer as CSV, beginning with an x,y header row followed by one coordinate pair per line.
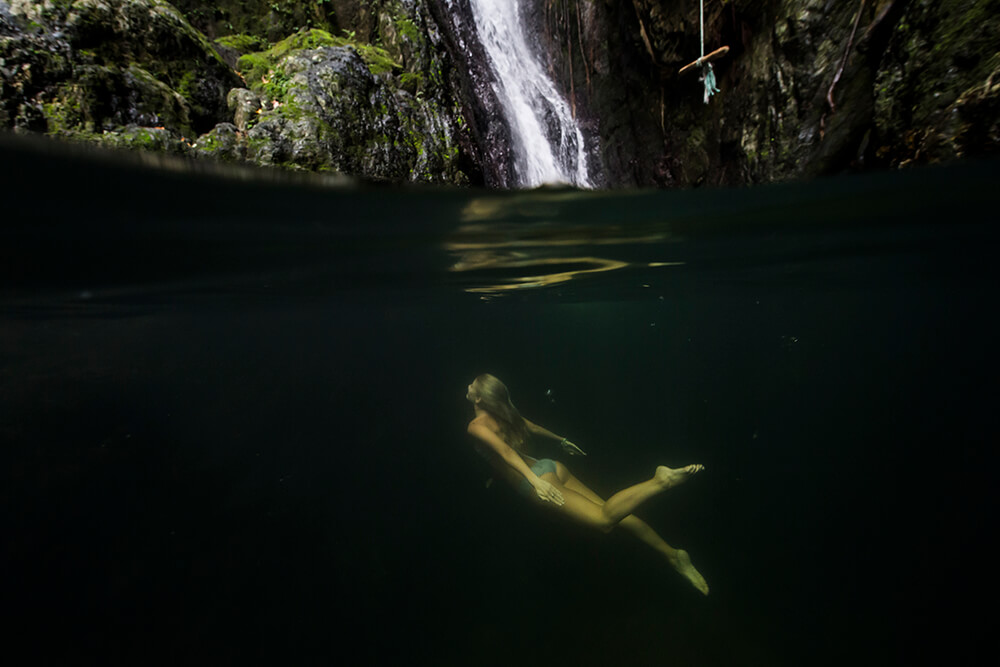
x,y
708,76
707,73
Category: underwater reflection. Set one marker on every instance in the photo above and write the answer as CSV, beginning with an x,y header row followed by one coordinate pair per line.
x,y
510,243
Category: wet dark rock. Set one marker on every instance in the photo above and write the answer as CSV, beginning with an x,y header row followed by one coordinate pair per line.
x,y
137,74
146,139
487,132
328,111
936,86
245,105
272,20
232,47
31,60
155,35
95,65
223,143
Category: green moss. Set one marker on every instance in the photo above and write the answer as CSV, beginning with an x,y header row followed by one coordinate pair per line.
x,y
696,138
406,28
277,86
378,59
268,19
958,36
306,39
186,85
260,69
64,112
257,144
142,137
412,82
254,67
243,43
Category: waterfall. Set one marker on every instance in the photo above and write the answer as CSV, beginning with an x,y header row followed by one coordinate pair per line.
x,y
547,144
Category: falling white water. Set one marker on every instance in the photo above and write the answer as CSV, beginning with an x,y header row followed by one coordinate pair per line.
x,y
547,142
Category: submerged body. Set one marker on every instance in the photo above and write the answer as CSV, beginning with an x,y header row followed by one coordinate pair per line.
x,y
500,432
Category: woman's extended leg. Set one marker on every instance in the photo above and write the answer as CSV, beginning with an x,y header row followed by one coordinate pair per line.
x,y
678,558
621,504
607,515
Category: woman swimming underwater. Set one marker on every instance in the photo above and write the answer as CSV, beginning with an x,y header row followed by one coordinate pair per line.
x,y
501,433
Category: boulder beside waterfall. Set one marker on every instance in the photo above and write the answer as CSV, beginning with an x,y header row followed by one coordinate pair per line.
x,y
136,74
324,109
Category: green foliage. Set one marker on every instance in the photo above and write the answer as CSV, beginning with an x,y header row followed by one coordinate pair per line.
x,y
412,82
260,68
186,86
254,67
243,43
268,19
277,86
305,39
378,59
938,53
64,111
406,28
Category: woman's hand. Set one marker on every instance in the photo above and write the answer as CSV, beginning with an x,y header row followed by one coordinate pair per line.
x,y
547,492
571,449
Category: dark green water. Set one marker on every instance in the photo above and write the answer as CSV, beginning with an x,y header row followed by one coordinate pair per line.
x,y
233,419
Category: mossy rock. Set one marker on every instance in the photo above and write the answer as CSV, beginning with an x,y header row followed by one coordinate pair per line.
x,y
135,74
103,98
255,67
223,143
267,19
30,64
147,139
231,47
938,56
155,36
324,109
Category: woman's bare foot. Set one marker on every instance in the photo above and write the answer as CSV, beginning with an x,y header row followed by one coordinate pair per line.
x,y
673,476
681,562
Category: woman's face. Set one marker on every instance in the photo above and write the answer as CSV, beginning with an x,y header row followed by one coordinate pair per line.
x,y
472,394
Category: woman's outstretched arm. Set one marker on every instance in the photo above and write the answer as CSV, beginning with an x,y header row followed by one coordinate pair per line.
x,y
545,490
567,446
539,430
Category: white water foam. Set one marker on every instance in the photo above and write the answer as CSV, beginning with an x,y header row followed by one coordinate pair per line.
x,y
547,142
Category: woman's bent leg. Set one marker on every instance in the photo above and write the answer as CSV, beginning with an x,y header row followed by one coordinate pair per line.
x,y
620,505
631,523
584,510
605,517
678,558
578,507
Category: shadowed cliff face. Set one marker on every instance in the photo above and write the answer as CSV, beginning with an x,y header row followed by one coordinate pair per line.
x,y
97,65
472,82
809,87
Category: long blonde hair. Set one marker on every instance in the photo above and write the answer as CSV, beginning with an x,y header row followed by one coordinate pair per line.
x,y
496,401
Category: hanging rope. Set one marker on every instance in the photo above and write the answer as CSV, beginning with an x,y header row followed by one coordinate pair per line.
x,y
704,62
707,73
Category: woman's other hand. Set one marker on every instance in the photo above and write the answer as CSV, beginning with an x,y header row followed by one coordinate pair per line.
x,y
571,449
547,492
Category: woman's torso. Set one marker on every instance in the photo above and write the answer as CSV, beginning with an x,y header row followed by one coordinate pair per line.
x,y
500,466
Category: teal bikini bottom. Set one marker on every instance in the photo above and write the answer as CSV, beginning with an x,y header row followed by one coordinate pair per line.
x,y
539,467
